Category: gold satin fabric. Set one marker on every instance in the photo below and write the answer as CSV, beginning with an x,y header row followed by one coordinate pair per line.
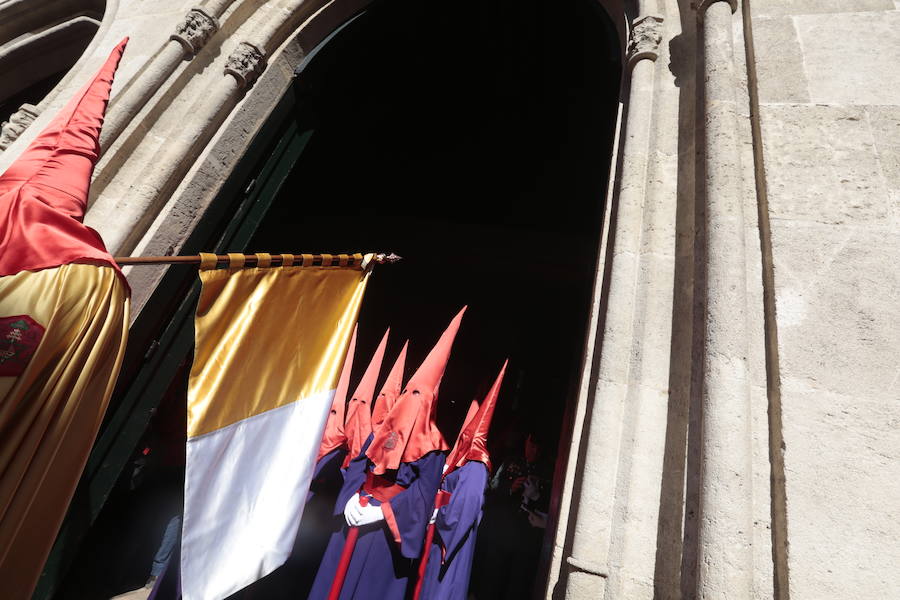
x,y
268,337
50,413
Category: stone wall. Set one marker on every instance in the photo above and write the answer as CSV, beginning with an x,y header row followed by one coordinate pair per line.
x,y
736,433
829,112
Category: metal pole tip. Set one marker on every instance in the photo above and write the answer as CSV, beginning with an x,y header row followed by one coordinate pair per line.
x,y
388,258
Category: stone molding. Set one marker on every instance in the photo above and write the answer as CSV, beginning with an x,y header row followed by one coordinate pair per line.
x,y
704,4
595,560
646,34
246,63
195,30
18,122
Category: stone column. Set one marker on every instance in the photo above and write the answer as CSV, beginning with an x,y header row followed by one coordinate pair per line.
x,y
725,527
592,519
190,36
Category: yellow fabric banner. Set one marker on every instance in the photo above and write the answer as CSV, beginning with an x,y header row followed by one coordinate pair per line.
x,y
62,337
270,343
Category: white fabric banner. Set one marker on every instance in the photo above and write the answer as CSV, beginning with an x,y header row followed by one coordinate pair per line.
x,y
247,484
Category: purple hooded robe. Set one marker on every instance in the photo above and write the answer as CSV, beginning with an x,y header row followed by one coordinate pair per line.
x,y
382,569
450,557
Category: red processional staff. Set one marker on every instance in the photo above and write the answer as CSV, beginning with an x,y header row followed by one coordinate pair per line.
x,y
64,312
471,445
358,427
408,433
386,398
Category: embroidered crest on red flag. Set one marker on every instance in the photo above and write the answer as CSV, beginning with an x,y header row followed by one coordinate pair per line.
x,y
20,336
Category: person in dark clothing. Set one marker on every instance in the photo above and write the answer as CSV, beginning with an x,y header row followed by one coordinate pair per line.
x,y
512,530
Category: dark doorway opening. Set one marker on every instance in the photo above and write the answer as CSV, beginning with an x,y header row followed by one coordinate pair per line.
x,y
474,141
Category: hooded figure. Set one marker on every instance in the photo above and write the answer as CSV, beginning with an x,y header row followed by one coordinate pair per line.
x,y
388,493
333,448
447,558
63,326
390,390
358,427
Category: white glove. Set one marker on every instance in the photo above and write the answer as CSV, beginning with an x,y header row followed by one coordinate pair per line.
x,y
357,515
433,517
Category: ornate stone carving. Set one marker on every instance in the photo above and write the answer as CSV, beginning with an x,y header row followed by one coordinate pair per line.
x,y
195,30
646,34
246,63
18,122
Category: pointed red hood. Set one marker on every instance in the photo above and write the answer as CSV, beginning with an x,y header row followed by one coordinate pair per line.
x,y
359,411
334,436
44,193
471,444
409,431
391,389
462,440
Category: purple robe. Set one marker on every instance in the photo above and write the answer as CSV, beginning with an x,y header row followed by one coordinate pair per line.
x,y
455,528
380,568
327,477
